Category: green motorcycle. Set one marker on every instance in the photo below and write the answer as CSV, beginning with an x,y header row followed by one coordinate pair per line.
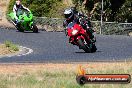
x,y
25,21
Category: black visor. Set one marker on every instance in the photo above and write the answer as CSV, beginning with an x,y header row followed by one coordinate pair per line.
x,y
68,15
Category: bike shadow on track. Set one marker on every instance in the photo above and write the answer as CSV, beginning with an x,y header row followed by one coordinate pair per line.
x,y
28,32
82,52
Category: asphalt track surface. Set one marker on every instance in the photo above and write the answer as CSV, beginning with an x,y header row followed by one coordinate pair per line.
x,y
54,47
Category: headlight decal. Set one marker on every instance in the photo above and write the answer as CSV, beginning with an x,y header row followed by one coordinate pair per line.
x,y
74,32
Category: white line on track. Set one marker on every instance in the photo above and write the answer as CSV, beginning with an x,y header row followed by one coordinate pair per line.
x,y
29,51
22,52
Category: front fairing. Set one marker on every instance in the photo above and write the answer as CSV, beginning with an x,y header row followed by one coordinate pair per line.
x,y
80,34
26,20
26,17
72,27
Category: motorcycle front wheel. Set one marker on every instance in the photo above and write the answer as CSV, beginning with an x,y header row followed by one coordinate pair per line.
x,y
20,27
83,46
34,28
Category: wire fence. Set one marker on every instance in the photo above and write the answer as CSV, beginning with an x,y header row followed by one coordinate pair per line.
x,y
50,24
116,28
109,28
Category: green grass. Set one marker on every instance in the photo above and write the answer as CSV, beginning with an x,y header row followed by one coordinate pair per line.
x,y
11,46
54,79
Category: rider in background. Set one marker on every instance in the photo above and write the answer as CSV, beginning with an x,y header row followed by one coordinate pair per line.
x,y
16,7
72,15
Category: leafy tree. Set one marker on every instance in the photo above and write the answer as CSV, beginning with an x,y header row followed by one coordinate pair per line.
x,y
114,10
41,8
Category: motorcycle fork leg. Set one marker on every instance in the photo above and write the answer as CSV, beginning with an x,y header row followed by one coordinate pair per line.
x,y
87,39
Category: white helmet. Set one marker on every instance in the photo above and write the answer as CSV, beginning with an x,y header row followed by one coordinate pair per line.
x,y
68,13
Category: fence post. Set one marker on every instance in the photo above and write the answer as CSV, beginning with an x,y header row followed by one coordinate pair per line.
x,y
102,17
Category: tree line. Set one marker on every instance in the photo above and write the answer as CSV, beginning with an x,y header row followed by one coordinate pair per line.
x,y
42,8
114,10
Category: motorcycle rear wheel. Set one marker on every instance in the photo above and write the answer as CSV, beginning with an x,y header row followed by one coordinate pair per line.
x,y
83,46
35,29
93,48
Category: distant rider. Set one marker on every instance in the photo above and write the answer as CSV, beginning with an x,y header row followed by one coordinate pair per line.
x,y
72,15
16,7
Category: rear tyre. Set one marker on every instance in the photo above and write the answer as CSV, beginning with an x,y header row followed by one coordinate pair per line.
x,y
83,46
93,48
35,29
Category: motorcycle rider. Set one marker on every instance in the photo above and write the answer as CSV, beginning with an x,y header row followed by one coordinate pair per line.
x,y
72,15
16,7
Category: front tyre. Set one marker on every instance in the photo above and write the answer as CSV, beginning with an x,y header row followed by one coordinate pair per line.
x,y
34,28
20,27
83,46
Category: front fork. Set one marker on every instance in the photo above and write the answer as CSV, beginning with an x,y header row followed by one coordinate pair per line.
x,y
86,41
73,40
31,25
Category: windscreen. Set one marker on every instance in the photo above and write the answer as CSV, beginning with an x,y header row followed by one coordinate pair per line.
x,y
70,25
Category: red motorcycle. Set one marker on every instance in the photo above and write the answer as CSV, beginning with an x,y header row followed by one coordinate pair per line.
x,y
78,36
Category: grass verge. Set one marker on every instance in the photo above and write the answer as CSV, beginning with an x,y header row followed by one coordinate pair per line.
x,y
58,75
11,46
8,48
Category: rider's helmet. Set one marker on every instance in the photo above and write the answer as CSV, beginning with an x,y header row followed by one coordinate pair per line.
x,y
69,14
18,3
